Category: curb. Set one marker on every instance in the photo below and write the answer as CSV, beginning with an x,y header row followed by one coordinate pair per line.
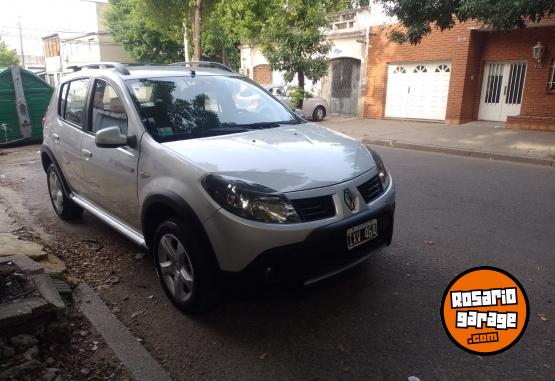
x,y
461,152
133,355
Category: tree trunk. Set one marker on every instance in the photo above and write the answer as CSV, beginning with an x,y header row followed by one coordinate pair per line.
x,y
300,79
197,25
225,59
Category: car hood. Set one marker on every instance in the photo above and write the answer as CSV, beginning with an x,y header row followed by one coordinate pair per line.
x,y
287,158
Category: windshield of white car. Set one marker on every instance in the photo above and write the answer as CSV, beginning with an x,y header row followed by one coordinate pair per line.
x,y
189,107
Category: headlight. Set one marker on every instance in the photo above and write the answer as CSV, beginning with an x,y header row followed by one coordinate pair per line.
x,y
251,201
382,171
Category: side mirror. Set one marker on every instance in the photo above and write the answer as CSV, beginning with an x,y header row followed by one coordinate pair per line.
x,y
110,137
299,112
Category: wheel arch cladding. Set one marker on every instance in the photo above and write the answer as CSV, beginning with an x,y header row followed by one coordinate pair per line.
x,y
48,158
160,207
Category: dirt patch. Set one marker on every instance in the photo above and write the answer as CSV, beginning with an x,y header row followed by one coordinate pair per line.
x,y
66,350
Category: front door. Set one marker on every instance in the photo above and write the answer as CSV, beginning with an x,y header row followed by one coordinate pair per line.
x,y
345,78
111,173
502,90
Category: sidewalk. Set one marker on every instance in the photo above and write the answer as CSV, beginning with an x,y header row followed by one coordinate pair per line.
x,y
476,139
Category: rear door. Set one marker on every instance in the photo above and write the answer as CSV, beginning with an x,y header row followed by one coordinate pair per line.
x,y
68,133
111,172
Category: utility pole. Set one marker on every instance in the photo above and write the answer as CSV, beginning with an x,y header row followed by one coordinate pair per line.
x,y
21,45
185,40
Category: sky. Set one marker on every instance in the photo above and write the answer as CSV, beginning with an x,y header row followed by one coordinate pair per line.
x,y
40,18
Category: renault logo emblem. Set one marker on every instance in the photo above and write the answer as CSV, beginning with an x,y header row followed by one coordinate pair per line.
x,y
349,198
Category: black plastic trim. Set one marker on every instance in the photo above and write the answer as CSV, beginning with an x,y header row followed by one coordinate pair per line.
x,y
322,252
182,209
48,152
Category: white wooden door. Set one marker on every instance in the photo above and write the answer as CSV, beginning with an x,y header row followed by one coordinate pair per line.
x,y
502,89
397,91
418,90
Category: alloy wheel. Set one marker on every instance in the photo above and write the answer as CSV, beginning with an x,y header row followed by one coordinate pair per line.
x,y
56,192
176,269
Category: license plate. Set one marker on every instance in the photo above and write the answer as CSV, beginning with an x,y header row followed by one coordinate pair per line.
x,y
360,234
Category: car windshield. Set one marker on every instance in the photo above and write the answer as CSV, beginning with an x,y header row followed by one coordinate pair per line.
x,y
188,107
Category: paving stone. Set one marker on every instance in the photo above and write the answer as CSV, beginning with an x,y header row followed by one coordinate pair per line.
x,y
6,222
11,245
53,265
26,265
48,291
23,341
21,370
12,314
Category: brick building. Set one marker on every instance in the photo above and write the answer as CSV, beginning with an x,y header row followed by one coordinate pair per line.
x,y
465,74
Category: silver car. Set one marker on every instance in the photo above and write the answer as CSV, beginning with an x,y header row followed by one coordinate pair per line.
x,y
315,108
167,156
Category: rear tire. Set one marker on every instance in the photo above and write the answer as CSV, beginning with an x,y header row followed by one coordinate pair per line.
x,y
319,114
62,204
188,271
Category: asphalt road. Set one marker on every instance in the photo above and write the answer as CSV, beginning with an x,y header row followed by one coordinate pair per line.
x,y
379,321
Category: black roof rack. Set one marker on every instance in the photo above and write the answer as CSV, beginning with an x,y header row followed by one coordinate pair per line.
x,y
102,65
215,65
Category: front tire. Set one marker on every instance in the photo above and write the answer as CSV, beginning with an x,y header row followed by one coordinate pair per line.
x,y
62,204
319,114
187,270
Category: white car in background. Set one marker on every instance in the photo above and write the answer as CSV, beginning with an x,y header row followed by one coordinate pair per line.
x,y
314,107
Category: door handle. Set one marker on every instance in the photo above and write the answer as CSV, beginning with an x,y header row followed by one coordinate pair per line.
x,y
56,138
87,153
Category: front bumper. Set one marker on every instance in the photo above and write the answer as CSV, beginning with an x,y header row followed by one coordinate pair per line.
x,y
238,243
323,253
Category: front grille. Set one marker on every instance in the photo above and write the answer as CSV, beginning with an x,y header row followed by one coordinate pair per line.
x,y
315,208
371,189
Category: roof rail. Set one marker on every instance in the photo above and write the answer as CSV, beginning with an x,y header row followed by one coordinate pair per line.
x,y
102,65
215,65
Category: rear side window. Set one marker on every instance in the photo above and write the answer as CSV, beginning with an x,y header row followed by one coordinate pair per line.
x,y
73,96
62,102
107,108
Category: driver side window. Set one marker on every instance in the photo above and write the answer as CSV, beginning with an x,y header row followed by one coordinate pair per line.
x,y
107,108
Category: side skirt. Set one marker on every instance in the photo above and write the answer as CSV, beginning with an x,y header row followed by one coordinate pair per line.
x,y
116,224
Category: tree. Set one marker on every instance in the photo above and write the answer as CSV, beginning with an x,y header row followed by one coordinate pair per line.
x,y
290,32
218,46
7,56
417,17
182,13
145,42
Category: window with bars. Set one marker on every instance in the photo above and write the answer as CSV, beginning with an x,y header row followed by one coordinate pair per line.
x,y
551,82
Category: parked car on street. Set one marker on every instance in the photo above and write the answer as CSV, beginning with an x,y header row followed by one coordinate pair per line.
x,y
169,157
314,107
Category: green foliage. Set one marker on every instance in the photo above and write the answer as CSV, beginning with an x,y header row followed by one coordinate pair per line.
x,y
218,46
291,32
7,56
295,97
152,30
140,36
418,17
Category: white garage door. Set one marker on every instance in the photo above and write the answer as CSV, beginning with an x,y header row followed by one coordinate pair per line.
x,y
417,90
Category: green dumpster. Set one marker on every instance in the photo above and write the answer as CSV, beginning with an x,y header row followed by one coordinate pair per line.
x,y
24,98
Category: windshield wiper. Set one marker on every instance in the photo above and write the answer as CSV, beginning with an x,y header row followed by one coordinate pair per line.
x,y
257,125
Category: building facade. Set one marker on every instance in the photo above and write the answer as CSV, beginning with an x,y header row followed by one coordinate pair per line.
x,y
63,51
465,74
344,85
